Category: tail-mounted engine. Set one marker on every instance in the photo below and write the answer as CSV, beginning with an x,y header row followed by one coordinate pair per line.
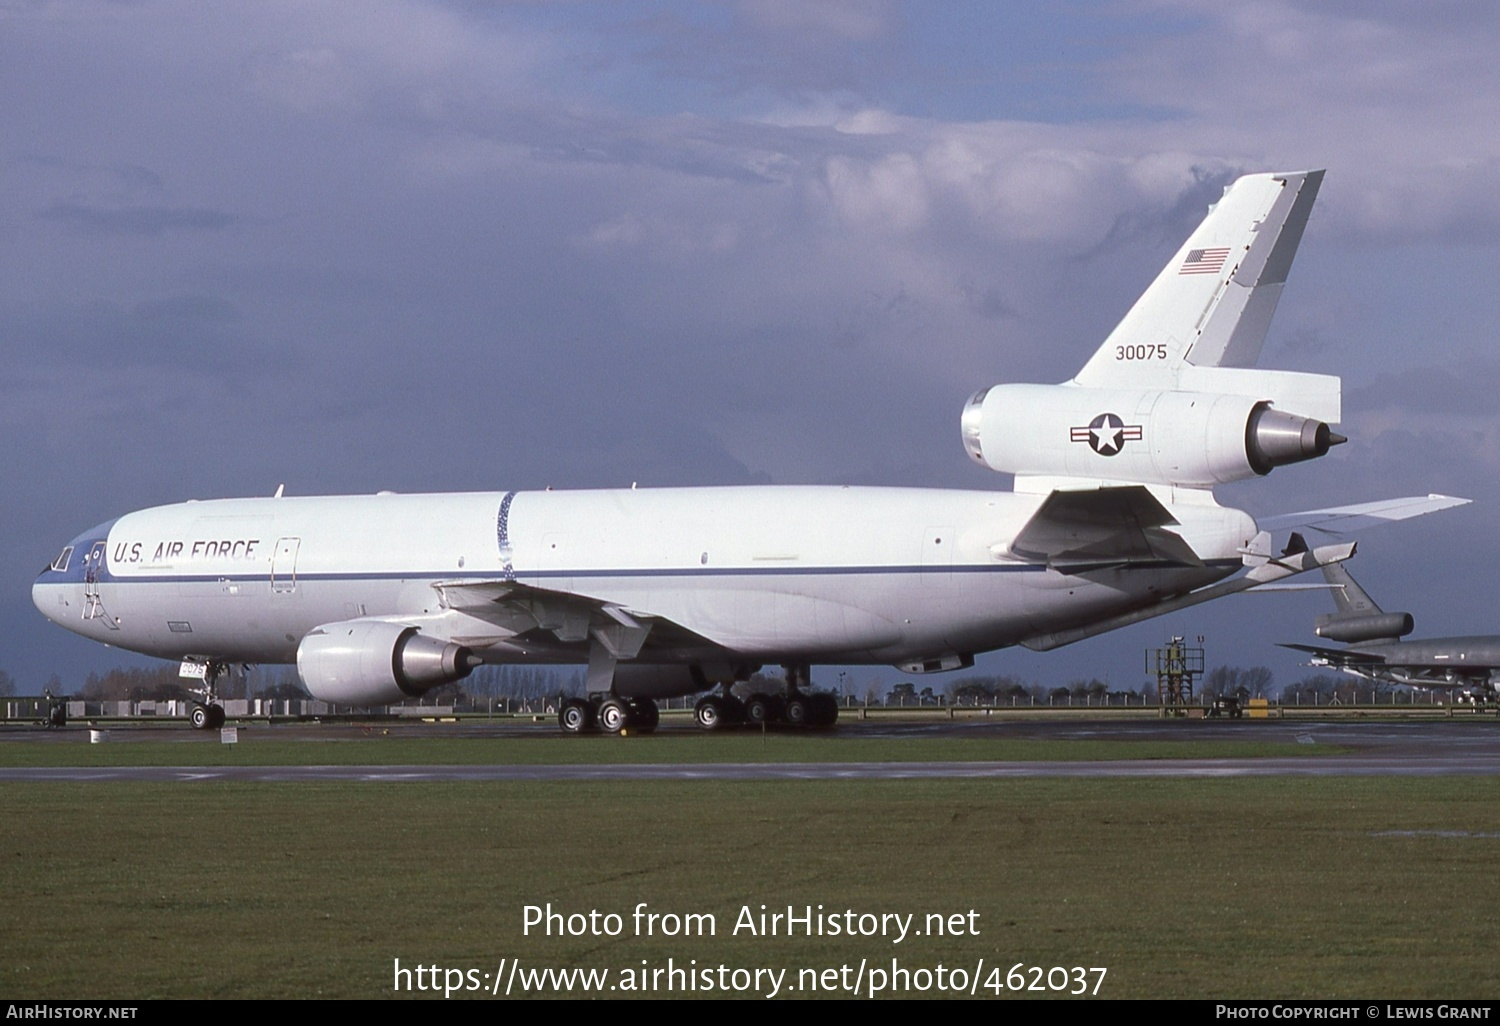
x,y
371,662
1373,627
1185,438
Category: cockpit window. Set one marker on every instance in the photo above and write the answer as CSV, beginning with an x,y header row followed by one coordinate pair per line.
x,y
61,562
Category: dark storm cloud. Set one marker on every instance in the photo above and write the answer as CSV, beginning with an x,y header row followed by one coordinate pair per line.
x,y
92,220
194,333
785,45
1468,390
1168,222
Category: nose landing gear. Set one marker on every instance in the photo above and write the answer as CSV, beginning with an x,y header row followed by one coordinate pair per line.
x,y
207,713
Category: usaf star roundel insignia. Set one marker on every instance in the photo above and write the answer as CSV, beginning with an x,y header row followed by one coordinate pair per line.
x,y
1107,434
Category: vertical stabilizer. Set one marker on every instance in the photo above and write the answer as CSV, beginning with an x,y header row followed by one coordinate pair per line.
x,y
1212,304
1348,596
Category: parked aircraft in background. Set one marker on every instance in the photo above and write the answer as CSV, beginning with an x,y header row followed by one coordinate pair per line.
x,y
665,592
1376,652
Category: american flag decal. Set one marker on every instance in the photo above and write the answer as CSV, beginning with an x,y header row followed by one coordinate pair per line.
x,y
1205,261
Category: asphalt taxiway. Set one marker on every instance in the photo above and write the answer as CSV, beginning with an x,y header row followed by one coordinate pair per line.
x,y
1394,748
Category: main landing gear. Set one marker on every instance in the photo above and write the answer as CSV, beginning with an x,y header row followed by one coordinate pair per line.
x,y
605,709
609,713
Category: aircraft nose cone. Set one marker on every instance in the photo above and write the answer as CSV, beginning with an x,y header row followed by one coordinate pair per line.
x,y
38,597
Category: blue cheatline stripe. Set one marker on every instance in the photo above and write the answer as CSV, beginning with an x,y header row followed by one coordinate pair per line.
x,y
687,572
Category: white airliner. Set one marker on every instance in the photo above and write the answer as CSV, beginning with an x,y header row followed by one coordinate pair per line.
x,y
665,592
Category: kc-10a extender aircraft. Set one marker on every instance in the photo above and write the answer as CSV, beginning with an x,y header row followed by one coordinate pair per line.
x,y
676,591
1469,665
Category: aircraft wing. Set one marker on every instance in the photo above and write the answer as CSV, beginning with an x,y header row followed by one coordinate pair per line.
x,y
1263,569
564,619
1342,520
1083,530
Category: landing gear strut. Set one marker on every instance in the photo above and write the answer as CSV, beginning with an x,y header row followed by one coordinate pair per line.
x,y
207,713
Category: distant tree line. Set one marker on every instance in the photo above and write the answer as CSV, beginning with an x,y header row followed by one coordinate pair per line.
x,y
530,684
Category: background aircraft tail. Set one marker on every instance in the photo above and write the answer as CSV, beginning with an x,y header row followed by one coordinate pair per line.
x,y
1358,618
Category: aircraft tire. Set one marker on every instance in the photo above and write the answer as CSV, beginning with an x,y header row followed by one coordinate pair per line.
x,y
644,715
758,710
798,711
614,715
709,714
825,710
215,717
198,718
734,709
575,716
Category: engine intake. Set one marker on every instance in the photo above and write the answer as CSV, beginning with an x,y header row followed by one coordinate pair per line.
x,y
372,662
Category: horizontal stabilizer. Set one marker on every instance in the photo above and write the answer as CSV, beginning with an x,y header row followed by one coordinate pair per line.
x,y
1104,527
1337,656
1342,520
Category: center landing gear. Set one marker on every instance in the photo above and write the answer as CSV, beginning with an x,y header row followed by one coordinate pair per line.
x,y
717,712
793,708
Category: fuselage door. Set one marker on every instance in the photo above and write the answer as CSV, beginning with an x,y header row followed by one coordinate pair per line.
x,y
93,570
284,566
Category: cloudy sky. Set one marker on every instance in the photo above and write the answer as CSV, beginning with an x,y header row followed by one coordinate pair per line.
x,y
466,245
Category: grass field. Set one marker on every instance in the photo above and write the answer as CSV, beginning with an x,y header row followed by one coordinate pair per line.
x,y
1180,888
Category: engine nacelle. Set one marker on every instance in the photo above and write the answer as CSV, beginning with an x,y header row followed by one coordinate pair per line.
x,y
371,662
1191,439
1375,626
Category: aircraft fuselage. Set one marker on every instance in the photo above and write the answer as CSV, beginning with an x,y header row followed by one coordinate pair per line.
x,y
755,574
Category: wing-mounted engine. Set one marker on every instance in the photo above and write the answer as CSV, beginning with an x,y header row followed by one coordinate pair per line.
x,y
372,662
1187,438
